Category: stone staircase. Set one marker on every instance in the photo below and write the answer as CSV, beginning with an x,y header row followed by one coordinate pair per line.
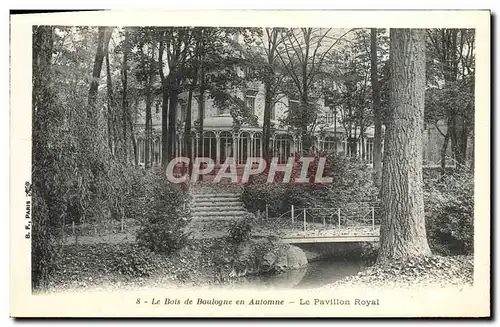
x,y
217,203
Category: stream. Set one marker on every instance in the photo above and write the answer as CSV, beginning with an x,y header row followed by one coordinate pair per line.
x,y
316,274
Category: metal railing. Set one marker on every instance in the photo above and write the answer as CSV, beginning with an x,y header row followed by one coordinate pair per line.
x,y
353,215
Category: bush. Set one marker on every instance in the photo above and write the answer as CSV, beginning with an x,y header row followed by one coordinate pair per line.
x,y
352,182
449,210
162,207
133,261
255,196
240,231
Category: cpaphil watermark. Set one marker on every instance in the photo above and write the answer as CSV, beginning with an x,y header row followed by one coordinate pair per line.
x,y
176,171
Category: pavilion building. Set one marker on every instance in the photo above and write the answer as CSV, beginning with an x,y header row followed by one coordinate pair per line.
x,y
222,138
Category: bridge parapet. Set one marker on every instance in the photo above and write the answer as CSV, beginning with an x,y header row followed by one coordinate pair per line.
x,y
357,222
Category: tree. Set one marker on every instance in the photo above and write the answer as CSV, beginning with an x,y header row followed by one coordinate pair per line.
x,y
43,112
377,137
303,55
402,230
451,77
349,75
127,125
149,103
114,139
272,79
103,41
175,43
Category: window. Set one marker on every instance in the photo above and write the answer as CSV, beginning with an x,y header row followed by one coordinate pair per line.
x,y
250,103
330,144
256,149
156,151
250,100
226,146
330,118
209,145
282,147
142,151
369,150
244,148
181,114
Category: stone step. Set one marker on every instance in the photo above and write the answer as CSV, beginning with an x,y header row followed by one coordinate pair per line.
x,y
220,213
198,218
216,195
216,204
214,218
232,211
216,200
217,209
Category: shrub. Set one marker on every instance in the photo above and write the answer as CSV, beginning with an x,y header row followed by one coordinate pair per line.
x,y
240,230
255,196
352,182
133,261
449,210
43,249
164,214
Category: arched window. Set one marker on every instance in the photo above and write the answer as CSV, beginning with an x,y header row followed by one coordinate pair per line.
x,y
142,150
369,150
256,150
209,145
226,146
329,144
282,147
244,149
156,151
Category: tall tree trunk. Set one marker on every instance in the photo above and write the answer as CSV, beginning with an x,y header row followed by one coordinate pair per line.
x,y
269,91
42,124
456,121
172,119
164,107
104,36
124,76
307,141
377,137
148,136
444,148
149,104
133,140
362,136
110,103
402,232
201,114
164,126
266,126
187,127
473,158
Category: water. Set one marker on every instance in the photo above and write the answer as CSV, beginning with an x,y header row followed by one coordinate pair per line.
x,y
316,274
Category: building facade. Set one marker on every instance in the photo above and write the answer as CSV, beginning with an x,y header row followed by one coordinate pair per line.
x,y
222,138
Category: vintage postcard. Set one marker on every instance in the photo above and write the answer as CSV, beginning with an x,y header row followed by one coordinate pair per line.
x,y
250,164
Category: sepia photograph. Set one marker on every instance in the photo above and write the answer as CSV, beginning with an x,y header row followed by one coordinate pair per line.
x,y
185,165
